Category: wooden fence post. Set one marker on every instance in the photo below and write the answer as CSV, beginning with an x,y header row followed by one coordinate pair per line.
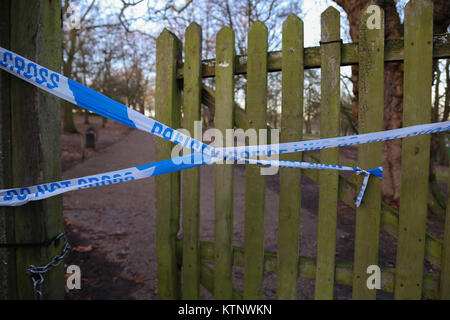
x,y
223,173
415,150
191,177
330,52
290,179
6,213
168,111
31,145
371,107
255,183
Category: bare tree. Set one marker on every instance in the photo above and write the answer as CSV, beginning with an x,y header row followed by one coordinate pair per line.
x,y
212,15
70,48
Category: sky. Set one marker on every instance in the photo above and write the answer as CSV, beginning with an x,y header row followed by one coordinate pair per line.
x,y
311,10
310,14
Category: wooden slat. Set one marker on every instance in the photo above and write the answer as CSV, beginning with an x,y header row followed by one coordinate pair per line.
x,y
290,179
389,216
307,270
393,51
191,177
415,150
371,103
240,117
223,173
206,272
255,188
445,264
167,110
35,147
329,127
8,269
207,281
347,190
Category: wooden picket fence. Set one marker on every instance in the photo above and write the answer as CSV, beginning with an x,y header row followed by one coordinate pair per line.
x,y
182,266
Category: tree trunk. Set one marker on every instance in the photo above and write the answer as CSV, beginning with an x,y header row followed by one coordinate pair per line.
x,y
68,120
434,148
31,147
5,145
444,161
447,91
86,116
435,145
308,125
393,83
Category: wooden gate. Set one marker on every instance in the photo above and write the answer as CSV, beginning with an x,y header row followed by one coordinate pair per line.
x,y
182,263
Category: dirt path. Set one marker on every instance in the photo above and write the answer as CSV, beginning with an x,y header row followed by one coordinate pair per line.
x,y
113,227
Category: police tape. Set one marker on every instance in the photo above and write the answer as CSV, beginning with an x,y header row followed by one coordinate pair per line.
x,y
20,196
89,99
84,97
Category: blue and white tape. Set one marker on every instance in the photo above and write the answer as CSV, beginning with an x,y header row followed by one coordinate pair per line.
x,y
89,99
20,196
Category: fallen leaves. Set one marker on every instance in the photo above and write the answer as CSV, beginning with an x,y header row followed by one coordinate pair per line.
x,y
135,277
140,278
83,249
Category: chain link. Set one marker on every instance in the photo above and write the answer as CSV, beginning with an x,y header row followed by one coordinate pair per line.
x,y
36,273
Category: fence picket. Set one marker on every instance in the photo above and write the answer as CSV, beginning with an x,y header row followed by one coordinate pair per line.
x,y
223,174
445,264
415,150
167,110
370,119
330,51
290,179
191,177
408,280
255,183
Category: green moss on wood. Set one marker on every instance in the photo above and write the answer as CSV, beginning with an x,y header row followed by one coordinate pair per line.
x,y
290,179
328,180
223,173
191,177
370,111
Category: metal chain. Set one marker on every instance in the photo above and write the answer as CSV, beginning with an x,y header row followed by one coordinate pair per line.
x,y
36,273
